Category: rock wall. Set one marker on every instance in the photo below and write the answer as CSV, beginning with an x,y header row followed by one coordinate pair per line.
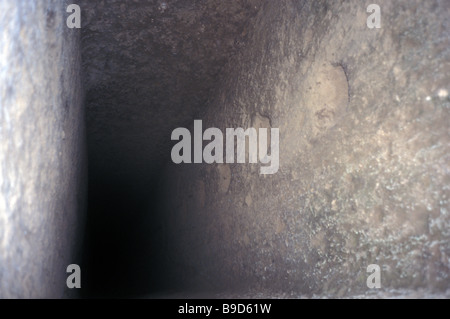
x,y
42,158
364,157
364,146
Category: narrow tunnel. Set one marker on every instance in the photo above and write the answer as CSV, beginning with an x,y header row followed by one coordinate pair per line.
x,y
356,109
148,72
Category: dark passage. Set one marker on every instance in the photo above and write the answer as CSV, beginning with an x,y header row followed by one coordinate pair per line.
x,y
149,66
124,242
354,105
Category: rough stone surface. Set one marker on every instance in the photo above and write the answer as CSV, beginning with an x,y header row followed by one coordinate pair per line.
x,y
364,151
149,67
41,148
364,159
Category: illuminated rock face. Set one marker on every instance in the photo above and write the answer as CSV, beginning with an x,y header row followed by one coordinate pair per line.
x,y
364,164
42,154
363,173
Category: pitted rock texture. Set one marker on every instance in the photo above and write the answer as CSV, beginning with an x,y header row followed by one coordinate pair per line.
x,y
364,156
